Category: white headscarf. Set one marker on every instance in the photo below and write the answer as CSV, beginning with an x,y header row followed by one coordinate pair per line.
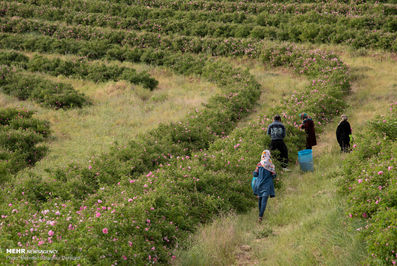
x,y
266,162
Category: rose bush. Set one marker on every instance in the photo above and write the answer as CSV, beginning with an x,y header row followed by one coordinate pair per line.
x,y
370,183
20,135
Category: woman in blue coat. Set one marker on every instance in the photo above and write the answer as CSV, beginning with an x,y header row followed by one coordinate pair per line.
x,y
263,186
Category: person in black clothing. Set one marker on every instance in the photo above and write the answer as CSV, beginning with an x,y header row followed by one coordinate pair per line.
x,y
308,126
276,130
343,132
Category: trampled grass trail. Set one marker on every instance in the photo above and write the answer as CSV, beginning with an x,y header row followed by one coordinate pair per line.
x,y
306,224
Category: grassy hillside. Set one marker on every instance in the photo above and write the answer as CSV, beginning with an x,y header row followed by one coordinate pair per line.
x,y
157,111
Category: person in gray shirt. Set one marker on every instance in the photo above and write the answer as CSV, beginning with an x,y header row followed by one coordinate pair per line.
x,y
276,131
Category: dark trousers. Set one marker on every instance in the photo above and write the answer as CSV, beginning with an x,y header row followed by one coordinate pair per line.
x,y
282,148
345,145
262,202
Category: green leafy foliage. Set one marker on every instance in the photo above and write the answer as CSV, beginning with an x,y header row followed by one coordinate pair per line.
x,y
44,92
78,69
20,135
371,185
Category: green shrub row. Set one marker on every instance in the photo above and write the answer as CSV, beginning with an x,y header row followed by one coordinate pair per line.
x,y
369,180
338,21
77,69
311,1
293,31
141,219
220,7
13,58
44,92
112,15
255,8
20,135
202,23
116,16
98,49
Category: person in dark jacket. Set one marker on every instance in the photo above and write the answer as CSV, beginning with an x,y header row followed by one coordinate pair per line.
x,y
264,187
308,126
276,131
343,132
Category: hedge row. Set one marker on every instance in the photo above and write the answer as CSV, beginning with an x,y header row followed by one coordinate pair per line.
x,y
44,92
148,214
294,30
103,38
20,135
77,69
256,8
125,8
201,23
370,181
312,1
98,49
112,15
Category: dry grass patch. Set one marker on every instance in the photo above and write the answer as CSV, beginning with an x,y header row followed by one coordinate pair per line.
x,y
119,112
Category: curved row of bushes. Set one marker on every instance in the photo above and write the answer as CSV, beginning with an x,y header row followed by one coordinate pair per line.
x,y
370,182
20,136
77,69
239,93
147,215
45,92
293,30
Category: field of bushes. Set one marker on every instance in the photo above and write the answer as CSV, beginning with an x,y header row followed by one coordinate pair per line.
x,y
135,203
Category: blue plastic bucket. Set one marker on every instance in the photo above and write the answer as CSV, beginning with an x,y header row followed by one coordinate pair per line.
x,y
305,159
